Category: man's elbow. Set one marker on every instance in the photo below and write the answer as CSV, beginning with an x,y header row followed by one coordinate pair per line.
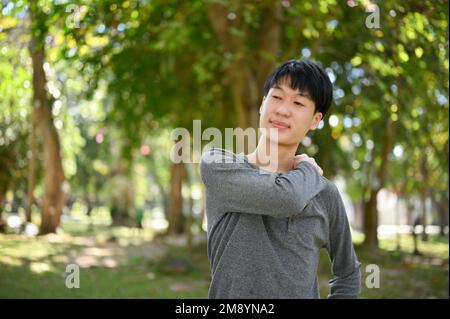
x,y
348,287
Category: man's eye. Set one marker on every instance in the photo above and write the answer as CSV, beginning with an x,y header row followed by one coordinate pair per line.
x,y
298,103
276,97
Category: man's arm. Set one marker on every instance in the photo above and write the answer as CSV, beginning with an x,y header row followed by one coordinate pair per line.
x,y
344,264
236,187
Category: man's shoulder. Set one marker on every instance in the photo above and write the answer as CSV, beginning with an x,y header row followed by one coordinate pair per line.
x,y
329,194
330,188
329,199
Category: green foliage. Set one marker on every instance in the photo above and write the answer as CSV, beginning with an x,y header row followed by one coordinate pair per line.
x,y
15,85
122,74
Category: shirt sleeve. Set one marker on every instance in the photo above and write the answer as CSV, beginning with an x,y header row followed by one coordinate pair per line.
x,y
233,186
345,267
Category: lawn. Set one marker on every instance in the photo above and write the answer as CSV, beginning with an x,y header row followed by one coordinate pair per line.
x,y
126,263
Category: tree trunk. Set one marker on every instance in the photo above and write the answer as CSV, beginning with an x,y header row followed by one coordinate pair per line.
x,y
423,198
441,203
371,214
369,210
371,221
163,194
89,206
247,73
326,161
123,195
53,170
2,223
3,188
31,170
359,215
398,221
370,207
424,218
177,173
190,179
412,220
189,218
202,209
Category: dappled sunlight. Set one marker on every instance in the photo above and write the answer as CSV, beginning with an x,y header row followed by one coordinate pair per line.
x,y
60,259
86,261
161,268
97,252
40,267
430,248
435,248
188,287
95,257
10,261
115,249
105,263
424,262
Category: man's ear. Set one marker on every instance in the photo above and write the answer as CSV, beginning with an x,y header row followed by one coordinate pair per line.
x,y
317,118
261,106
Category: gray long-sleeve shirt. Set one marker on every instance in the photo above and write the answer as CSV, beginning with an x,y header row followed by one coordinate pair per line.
x,y
266,229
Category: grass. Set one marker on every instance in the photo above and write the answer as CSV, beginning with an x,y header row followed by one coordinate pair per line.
x,y
34,268
403,275
124,263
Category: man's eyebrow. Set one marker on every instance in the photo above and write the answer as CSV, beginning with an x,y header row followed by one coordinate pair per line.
x,y
303,94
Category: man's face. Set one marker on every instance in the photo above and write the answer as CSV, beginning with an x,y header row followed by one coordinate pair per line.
x,y
290,112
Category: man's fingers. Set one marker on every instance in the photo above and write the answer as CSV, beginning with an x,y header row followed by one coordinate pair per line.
x,y
305,158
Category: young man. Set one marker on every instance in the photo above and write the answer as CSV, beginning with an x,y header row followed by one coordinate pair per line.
x,y
268,220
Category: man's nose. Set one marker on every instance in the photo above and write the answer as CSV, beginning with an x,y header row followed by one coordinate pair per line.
x,y
282,110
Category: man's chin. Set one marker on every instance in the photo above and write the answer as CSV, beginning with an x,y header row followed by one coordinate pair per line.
x,y
282,141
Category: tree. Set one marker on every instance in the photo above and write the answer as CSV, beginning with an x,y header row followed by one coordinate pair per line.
x,y
54,195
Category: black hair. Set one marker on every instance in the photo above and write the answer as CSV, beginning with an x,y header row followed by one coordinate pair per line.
x,y
306,76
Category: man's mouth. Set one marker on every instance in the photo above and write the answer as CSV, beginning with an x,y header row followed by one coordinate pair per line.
x,y
279,124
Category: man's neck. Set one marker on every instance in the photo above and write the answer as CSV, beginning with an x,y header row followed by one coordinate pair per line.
x,y
273,157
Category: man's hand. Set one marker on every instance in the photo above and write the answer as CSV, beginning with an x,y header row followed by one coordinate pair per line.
x,y
305,158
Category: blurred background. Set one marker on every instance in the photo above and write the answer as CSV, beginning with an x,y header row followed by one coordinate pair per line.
x,y
91,90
